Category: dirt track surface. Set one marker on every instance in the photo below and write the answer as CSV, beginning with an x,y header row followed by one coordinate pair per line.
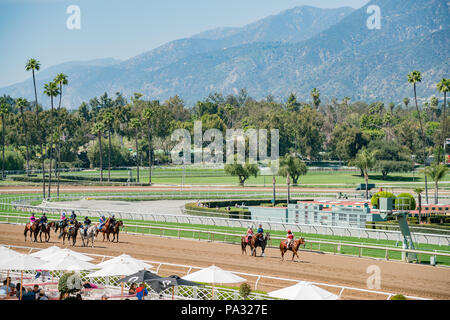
x,y
396,277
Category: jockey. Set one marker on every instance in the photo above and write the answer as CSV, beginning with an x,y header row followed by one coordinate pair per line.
x,y
102,222
260,229
73,216
113,222
62,219
43,220
87,223
290,238
249,233
32,219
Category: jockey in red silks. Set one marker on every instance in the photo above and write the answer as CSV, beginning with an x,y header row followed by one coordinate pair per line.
x,y
290,238
249,233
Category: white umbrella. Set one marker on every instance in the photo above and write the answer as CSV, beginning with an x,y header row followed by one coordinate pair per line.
x,y
7,253
69,263
46,252
21,262
128,258
64,253
214,275
303,291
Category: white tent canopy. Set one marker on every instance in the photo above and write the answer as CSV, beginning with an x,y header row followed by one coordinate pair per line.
x,y
120,268
6,253
65,253
22,262
213,275
303,291
69,263
125,257
46,252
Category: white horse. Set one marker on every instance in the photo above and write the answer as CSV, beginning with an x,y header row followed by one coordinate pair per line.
x,y
91,232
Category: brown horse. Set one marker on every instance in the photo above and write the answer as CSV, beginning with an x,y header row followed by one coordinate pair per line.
x,y
115,230
293,247
33,228
70,232
256,240
106,229
46,230
245,243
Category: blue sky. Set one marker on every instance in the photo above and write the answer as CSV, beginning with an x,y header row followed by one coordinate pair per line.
x,y
119,29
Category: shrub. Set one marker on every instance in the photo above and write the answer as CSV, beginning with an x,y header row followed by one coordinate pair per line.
x,y
382,194
398,297
13,160
69,282
403,204
244,290
119,156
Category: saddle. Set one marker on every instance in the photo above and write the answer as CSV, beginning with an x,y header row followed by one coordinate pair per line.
x,y
285,244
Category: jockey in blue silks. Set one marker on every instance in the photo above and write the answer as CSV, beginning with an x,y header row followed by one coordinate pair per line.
x,y
102,222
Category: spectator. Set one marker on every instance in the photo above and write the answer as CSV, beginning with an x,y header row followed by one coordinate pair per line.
x,y
79,297
30,295
5,289
89,285
132,288
41,295
36,290
104,297
141,291
18,291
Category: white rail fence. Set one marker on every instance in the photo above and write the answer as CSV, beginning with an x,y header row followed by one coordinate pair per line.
x,y
204,293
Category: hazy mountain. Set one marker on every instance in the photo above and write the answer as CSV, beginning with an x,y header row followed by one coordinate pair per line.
x,y
295,50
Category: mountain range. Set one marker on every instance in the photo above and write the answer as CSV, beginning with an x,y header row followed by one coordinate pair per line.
x,y
298,49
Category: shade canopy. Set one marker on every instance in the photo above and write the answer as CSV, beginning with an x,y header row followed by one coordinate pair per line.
x,y
140,276
64,253
120,268
161,284
125,257
214,274
22,262
46,252
303,291
69,263
7,253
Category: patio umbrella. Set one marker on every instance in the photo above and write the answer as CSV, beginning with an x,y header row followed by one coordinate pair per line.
x,y
140,276
214,275
21,262
46,252
161,284
64,253
125,257
69,263
121,268
6,254
303,291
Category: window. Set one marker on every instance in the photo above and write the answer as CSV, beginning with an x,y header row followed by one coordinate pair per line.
x,y
342,217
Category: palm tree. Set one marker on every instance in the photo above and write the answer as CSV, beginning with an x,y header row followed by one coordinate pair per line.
x,y
34,65
406,102
51,89
415,77
98,129
136,125
147,115
365,160
60,79
443,86
436,172
419,198
20,104
108,120
4,111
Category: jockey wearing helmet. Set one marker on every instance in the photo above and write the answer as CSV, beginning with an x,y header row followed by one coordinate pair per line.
x,y
102,222
249,233
290,238
86,224
260,229
32,219
43,220
62,219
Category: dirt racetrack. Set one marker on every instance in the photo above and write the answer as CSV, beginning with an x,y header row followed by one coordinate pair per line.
x,y
396,277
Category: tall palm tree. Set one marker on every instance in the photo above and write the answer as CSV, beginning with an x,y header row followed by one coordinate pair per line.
x,y
443,86
4,111
365,160
20,104
315,94
406,102
436,172
136,125
416,77
34,65
51,89
419,198
108,119
147,115
60,79
98,129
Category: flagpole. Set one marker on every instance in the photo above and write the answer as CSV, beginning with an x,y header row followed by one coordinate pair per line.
x,y
21,280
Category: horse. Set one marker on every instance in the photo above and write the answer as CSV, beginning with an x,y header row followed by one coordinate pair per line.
x,y
91,232
60,225
46,229
293,247
33,228
261,241
245,243
106,228
70,232
115,230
